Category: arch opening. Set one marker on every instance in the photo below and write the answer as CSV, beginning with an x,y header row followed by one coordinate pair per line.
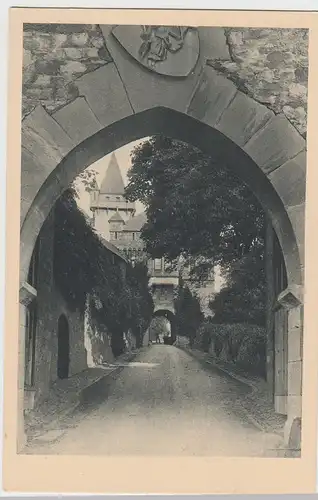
x,y
178,126
168,331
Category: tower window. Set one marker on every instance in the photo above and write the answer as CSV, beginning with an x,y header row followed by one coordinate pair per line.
x,y
158,265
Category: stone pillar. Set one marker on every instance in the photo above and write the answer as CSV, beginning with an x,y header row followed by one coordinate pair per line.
x,y
291,299
281,359
270,302
21,436
27,295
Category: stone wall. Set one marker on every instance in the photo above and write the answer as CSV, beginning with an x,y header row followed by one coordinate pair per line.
x,y
270,65
50,305
54,55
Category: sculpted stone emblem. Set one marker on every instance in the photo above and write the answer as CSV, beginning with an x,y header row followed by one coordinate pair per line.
x,y
166,50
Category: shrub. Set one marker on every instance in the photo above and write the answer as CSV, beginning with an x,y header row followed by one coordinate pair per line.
x,y
252,352
240,343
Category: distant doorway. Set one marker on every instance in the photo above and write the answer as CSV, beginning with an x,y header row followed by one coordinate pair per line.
x,y
63,349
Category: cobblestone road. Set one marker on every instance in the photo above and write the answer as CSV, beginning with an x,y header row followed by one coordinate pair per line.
x,y
165,403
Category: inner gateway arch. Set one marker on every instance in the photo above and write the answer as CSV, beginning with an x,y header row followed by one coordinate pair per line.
x,y
123,99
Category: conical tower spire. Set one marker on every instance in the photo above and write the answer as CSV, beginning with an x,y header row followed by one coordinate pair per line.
x,y
113,182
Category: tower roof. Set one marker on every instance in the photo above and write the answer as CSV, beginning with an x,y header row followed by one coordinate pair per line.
x,y
135,223
113,182
116,218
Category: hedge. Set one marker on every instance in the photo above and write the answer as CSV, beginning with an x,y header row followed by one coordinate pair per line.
x,y
242,344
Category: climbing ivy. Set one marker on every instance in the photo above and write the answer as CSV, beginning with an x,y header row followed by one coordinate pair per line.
x,y
119,294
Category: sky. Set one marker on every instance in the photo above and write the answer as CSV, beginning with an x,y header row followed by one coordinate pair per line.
x,y
124,162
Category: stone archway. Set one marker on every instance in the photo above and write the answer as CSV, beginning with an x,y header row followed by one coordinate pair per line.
x,y
122,101
170,316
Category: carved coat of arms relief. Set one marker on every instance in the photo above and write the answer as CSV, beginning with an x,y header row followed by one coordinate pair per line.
x,y
166,50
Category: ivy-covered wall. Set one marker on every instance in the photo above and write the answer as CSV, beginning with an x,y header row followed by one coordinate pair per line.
x,y
50,305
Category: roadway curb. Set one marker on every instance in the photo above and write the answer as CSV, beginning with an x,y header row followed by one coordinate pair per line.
x,y
243,380
84,396
240,379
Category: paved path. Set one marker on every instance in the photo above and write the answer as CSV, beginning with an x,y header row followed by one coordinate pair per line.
x,y
166,402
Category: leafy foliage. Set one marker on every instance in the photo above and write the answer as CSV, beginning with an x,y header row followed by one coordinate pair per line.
x,y
188,313
84,266
158,326
195,207
87,178
241,344
142,306
243,297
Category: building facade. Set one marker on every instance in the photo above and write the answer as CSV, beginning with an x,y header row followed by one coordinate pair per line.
x,y
115,218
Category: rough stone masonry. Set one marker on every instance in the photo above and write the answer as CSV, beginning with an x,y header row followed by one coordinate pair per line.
x,y
270,65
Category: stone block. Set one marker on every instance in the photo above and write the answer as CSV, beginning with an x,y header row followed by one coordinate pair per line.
x,y
80,39
280,404
29,399
243,118
294,345
44,144
294,378
292,192
145,88
213,95
105,94
73,53
213,44
292,433
43,136
297,217
24,207
291,297
275,144
33,175
22,314
78,120
27,294
72,69
295,317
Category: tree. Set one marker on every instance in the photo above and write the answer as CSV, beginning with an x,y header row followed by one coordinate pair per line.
x,y
87,178
243,298
141,302
195,207
188,313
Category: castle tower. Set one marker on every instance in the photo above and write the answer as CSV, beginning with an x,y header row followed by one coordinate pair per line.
x,y
109,203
